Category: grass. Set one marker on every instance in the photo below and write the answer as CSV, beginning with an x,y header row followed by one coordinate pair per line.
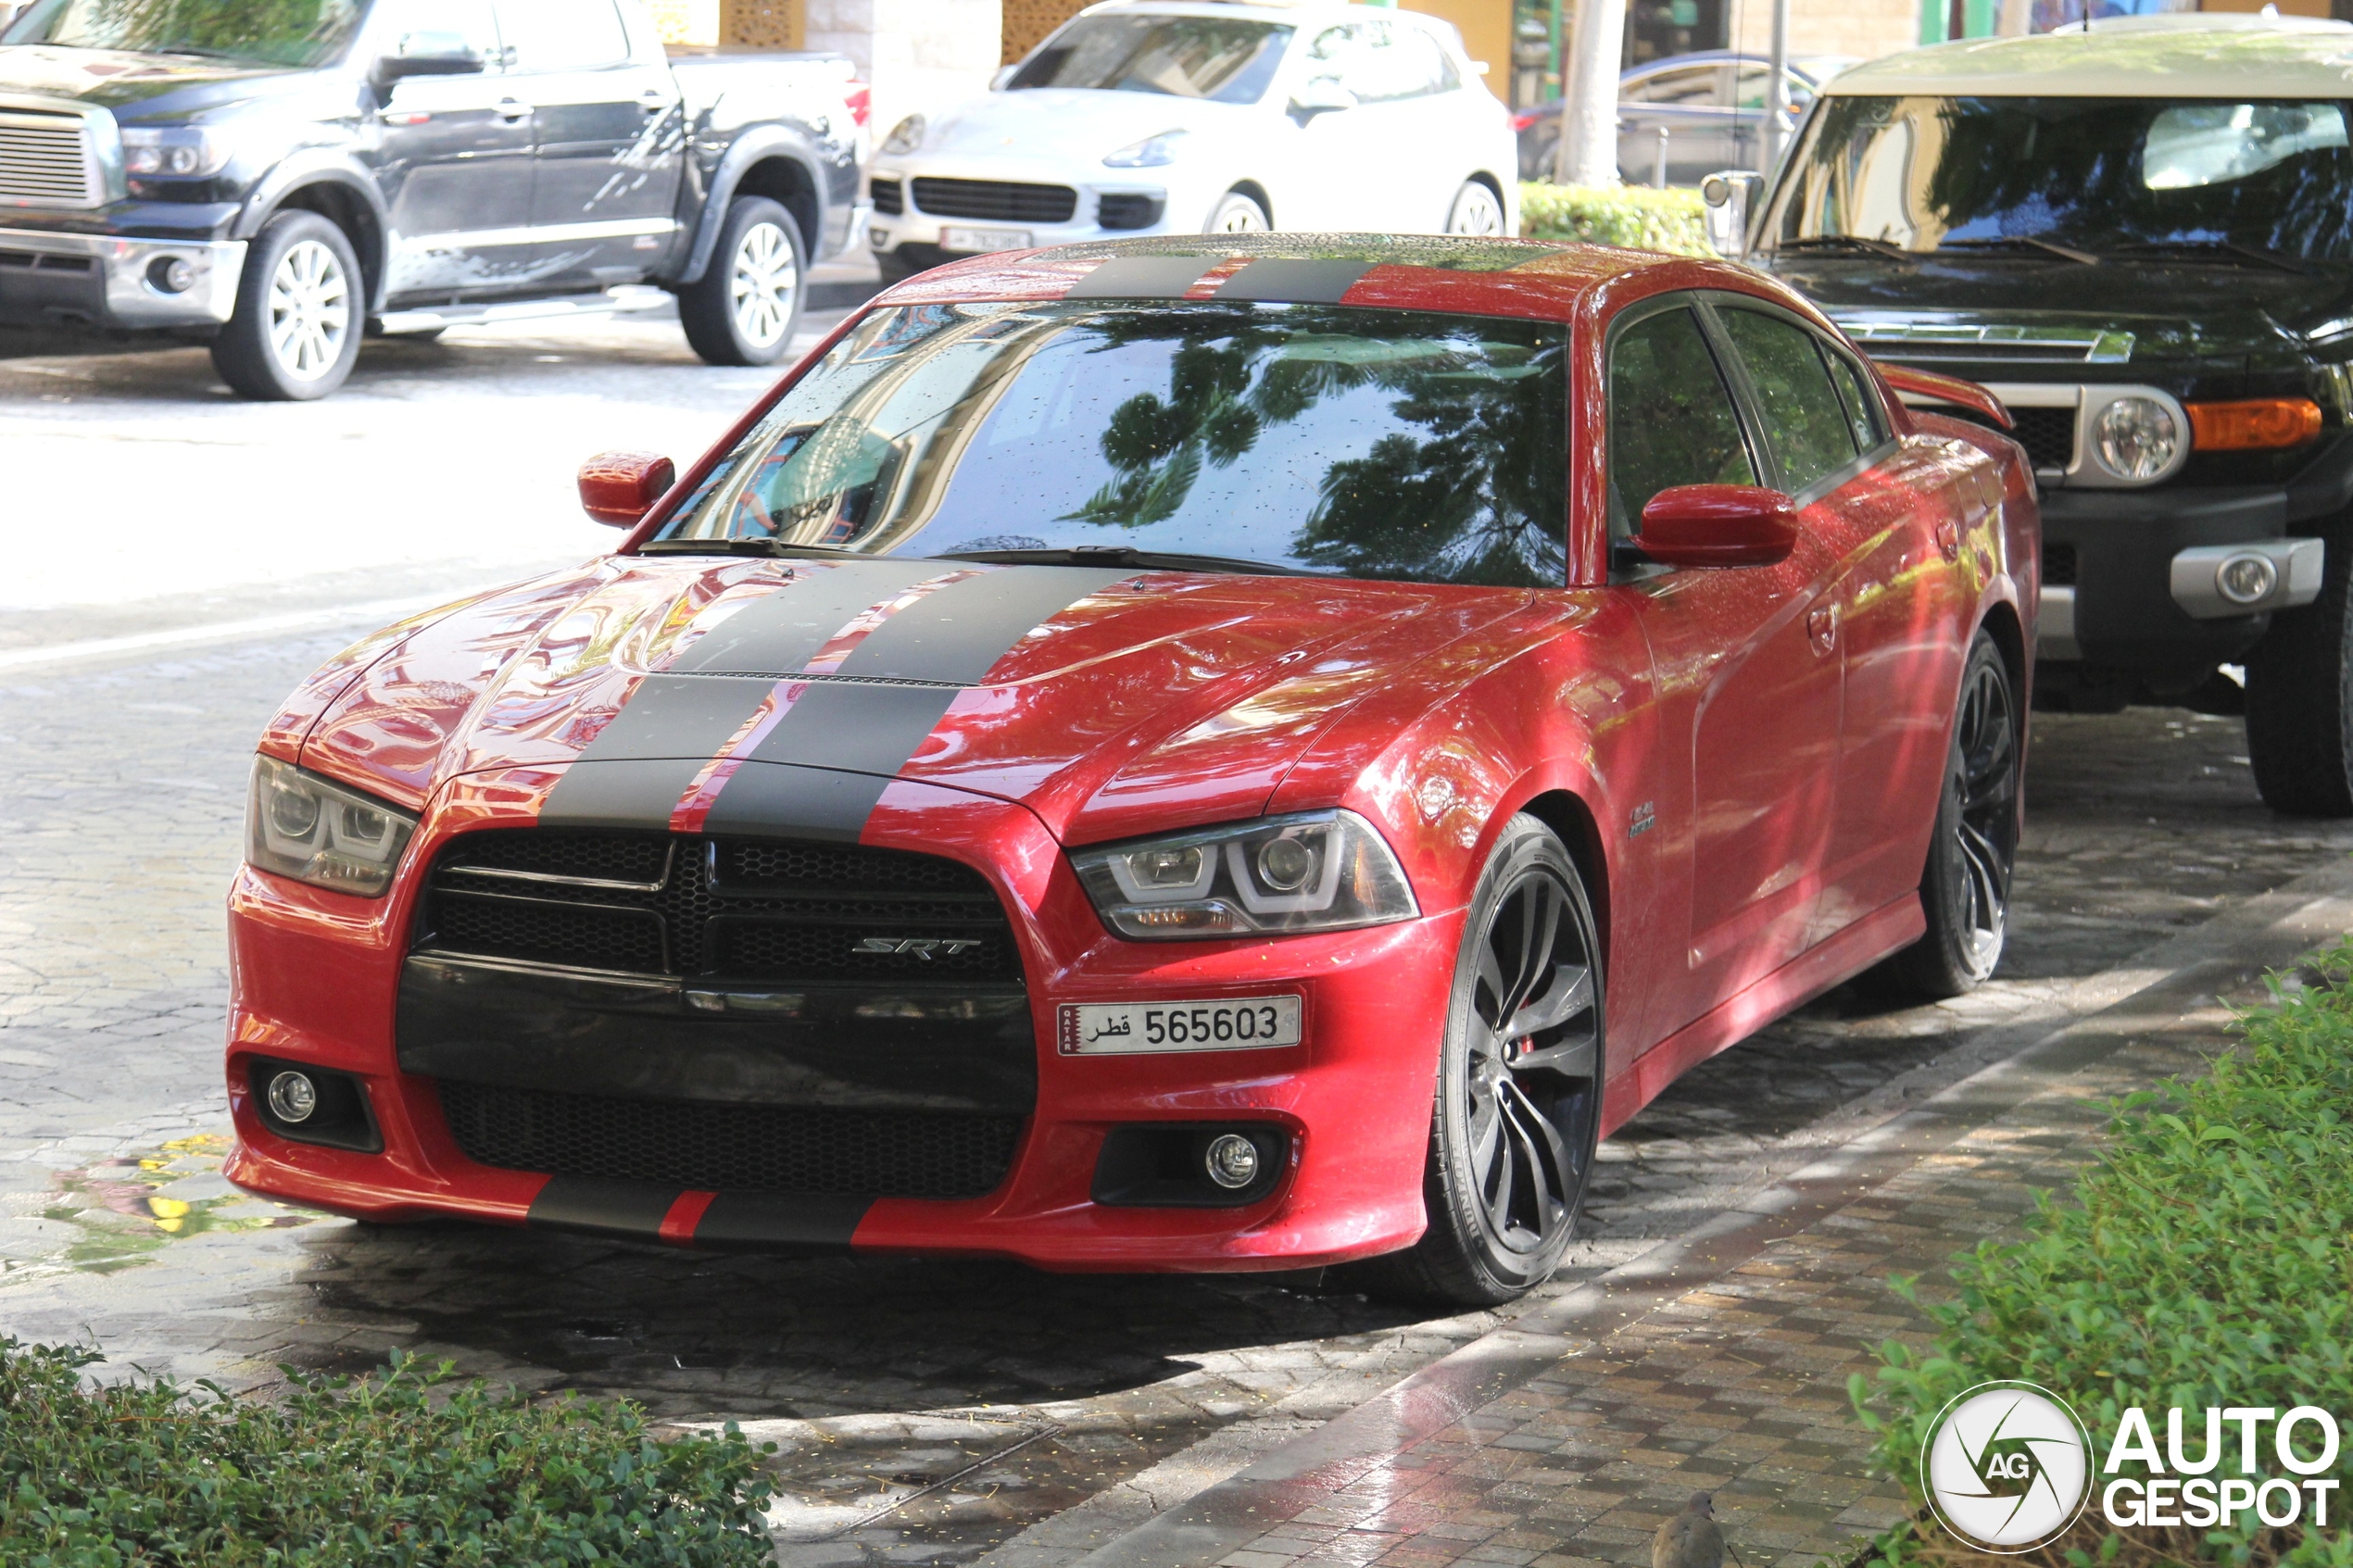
x,y
1633,216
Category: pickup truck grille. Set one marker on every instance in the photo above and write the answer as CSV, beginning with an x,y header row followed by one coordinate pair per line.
x,y
45,158
683,905
997,199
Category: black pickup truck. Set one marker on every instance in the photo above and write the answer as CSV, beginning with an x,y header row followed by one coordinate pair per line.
x,y
2141,237
285,176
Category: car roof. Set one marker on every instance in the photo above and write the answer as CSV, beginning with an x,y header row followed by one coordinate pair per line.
x,y
1541,278
1812,67
2210,55
1255,10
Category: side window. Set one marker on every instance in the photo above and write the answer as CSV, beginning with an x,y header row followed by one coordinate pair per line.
x,y
562,34
1333,53
1671,417
1389,63
1806,422
1864,414
442,27
1694,84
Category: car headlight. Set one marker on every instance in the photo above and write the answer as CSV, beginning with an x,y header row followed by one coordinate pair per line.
x,y
1316,871
2135,438
1152,152
176,151
906,136
299,825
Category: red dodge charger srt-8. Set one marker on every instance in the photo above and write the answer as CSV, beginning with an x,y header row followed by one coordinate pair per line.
x,y
1244,752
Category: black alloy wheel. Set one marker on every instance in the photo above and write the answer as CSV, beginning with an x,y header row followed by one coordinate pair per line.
x,y
1518,1111
1965,887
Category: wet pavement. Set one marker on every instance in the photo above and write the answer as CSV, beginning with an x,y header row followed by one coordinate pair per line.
x,y
923,1411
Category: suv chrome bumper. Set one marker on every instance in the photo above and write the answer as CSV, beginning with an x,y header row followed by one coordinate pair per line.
x,y
119,280
2288,571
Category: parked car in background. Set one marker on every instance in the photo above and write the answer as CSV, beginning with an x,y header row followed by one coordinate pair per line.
x,y
1145,118
1705,111
2141,239
1165,755
286,178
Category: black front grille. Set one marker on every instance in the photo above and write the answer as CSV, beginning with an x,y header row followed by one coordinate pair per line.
x,y
2058,566
2048,434
707,1147
887,197
1129,209
689,906
996,198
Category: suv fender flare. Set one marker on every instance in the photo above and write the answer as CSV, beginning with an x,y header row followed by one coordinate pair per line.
x,y
356,205
754,145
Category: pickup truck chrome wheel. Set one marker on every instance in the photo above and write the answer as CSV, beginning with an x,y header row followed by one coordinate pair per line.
x,y
310,310
764,285
1517,1110
1477,210
301,303
1965,886
744,307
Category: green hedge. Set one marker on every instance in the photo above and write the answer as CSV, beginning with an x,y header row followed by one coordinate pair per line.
x,y
2206,1260
1634,215
404,1468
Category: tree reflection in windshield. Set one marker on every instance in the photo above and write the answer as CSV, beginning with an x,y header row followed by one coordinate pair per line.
x,y
1370,443
287,33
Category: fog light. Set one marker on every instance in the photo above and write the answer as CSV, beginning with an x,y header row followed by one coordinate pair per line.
x,y
2244,579
171,274
1232,1160
293,1098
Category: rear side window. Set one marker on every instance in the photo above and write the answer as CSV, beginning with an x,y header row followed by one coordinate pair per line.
x,y
1806,422
1671,417
1863,412
1225,61
562,34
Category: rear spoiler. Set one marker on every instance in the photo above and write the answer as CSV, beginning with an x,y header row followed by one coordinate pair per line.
x,y
1930,387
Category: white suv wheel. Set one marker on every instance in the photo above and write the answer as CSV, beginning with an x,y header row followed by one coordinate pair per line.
x,y
1476,210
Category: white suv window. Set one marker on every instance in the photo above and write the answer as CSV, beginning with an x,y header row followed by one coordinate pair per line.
x,y
562,34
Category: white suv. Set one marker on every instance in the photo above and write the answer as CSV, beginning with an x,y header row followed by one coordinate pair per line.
x,y
1146,118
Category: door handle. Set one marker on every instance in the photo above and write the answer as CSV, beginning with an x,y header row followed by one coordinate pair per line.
x,y
653,102
512,110
1822,628
1948,539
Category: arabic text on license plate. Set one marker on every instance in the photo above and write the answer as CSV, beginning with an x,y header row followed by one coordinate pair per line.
x,y
984,239
1232,1024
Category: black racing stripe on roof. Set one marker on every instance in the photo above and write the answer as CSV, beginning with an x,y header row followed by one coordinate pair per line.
x,y
1143,277
1291,281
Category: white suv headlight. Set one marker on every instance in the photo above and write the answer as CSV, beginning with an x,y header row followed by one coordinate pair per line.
x,y
1152,152
1314,870
299,825
907,136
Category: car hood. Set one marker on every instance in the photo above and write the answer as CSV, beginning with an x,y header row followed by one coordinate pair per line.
x,y
1108,702
2174,312
152,84
1070,124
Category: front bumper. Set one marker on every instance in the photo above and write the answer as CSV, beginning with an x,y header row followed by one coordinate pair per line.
x,y
319,981
106,281
1104,208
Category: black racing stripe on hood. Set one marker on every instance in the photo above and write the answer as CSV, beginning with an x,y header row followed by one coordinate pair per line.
x,y
621,792
781,1221
867,729
1293,281
781,632
960,633
817,803
603,1207
1143,277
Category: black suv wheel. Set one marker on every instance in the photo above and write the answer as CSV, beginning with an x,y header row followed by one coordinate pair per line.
x,y
2299,700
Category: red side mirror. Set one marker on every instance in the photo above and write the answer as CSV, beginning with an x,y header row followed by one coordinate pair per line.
x,y
1718,525
620,488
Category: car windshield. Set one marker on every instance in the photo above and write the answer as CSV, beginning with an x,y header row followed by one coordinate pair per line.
x,y
299,33
1225,61
1301,438
2097,175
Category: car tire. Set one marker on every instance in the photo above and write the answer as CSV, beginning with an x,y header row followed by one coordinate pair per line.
x,y
744,307
2299,699
1965,885
300,313
1478,210
1238,212
894,268
1517,1113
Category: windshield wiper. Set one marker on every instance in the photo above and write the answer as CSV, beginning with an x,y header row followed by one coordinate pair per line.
x,y
1124,555
2022,243
2218,250
744,548
1848,242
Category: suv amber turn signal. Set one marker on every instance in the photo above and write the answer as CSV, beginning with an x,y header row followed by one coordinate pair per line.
x,y
2257,424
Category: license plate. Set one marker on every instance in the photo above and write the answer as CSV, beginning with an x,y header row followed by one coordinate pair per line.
x,y
1231,1024
984,239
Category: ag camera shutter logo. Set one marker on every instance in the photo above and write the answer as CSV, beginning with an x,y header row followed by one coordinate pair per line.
x,y
2007,1467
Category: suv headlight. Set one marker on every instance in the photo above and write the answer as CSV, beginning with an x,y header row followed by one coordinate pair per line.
x,y
1316,871
178,152
299,825
1152,152
2135,438
906,136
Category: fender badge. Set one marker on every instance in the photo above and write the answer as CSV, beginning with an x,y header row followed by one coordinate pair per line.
x,y
1644,819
